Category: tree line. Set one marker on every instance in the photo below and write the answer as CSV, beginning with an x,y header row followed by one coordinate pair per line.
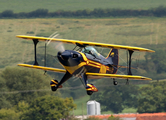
x,y
98,13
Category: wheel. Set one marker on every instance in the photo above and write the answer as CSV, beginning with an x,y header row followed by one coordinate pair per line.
x,y
53,88
115,82
89,92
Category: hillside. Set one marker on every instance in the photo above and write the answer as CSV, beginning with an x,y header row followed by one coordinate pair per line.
x,y
129,31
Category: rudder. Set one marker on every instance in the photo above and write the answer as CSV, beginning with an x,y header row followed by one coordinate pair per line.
x,y
114,57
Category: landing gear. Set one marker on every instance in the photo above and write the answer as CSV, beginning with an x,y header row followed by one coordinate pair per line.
x,y
90,88
53,85
115,82
89,92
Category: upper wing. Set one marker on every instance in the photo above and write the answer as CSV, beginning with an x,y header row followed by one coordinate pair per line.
x,y
95,75
85,43
43,68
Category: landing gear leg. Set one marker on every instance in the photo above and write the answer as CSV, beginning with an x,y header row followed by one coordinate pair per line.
x,y
65,77
115,82
84,77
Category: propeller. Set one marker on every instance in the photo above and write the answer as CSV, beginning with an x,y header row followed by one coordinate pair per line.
x,y
59,46
61,49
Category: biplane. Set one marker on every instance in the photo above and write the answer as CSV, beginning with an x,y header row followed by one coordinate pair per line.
x,y
86,63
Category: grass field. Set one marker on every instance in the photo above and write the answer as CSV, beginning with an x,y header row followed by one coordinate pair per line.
x,y
54,5
82,107
128,31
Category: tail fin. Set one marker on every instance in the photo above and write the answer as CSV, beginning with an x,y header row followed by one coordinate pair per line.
x,y
114,57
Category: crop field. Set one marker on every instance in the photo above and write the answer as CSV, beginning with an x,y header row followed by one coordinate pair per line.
x,y
72,5
128,31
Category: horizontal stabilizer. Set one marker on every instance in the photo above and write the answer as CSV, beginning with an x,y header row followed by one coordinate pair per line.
x,y
43,68
117,76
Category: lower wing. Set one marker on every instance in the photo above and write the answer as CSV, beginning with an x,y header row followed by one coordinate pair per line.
x,y
99,75
93,75
43,68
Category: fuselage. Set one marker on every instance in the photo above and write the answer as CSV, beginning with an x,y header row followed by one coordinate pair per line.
x,y
78,62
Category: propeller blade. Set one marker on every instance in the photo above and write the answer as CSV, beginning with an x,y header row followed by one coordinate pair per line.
x,y
54,35
59,46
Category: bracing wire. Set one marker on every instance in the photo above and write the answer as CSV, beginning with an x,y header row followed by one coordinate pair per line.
x,y
123,60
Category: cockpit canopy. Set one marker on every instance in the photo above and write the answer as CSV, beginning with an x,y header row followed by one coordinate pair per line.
x,y
90,50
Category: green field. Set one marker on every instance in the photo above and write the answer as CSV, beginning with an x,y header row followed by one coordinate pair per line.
x,y
128,31
54,5
82,107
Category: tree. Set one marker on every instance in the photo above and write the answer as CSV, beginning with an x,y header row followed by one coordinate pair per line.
x,y
38,13
116,98
8,114
21,107
27,84
49,108
3,97
7,13
155,65
15,112
113,118
152,98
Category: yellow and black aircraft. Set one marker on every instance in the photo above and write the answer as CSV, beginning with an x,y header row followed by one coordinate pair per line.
x,y
86,62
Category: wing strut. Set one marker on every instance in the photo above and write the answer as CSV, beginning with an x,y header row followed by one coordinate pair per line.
x,y
45,57
35,41
129,68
